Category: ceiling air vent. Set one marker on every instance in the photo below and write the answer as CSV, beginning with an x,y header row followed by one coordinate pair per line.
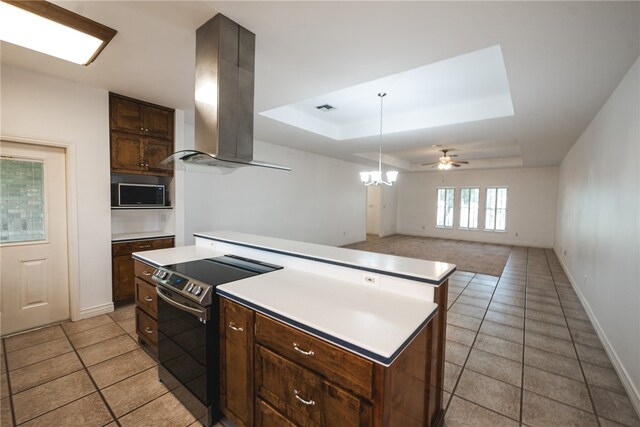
x,y
326,107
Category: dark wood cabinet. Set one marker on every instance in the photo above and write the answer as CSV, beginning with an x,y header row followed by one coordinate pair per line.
x,y
236,355
146,305
141,136
293,378
123,266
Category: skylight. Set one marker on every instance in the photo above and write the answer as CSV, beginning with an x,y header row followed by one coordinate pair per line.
x,y
462,89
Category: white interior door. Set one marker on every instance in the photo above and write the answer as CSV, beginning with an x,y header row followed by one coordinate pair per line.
x,y
373,209
34,271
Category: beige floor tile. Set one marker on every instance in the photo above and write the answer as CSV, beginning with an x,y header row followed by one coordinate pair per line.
x,y
468,310
129,325
85,324
504,299
90,411
562,389
496,367
472,300
120,367
539,411
546,317
135,391
37,353
580,325
587,338
165,411
95,335
602,377
456,352
463,321
464,413
506,308
576,314
551,344
614,406
451,374
502,331
500,347
6,418
123,312
500,290
45,371
4,386
3,365
544,307
608,423
552,362
46,397
445,399
490,393
595,356
460,335
545,328
30,338
504,319
107,349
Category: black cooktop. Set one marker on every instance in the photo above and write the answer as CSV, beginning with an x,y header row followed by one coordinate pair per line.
x,y
219,270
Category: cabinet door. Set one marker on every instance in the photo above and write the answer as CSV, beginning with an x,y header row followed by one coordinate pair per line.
x,y
236,331
155,151
123,277
157,122
125,115
126,153
266,416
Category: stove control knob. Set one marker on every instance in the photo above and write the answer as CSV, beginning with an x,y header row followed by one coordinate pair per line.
x,y
190,287
197,291
164,275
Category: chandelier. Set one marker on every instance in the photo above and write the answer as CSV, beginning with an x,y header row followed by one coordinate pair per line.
x,y
375,177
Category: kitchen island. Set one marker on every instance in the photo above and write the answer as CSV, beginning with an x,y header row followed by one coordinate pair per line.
x,y
336,334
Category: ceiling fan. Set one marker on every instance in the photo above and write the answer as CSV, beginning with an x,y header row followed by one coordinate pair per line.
x,y
445,162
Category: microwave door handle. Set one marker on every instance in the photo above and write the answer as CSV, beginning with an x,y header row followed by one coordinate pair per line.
x,y
200,313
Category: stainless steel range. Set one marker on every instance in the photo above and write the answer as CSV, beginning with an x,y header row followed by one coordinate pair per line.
x,y
188,328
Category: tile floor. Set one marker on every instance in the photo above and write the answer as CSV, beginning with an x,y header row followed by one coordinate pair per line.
x,y
520,351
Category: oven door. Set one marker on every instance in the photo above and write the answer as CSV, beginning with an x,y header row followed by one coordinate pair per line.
x,y
188,352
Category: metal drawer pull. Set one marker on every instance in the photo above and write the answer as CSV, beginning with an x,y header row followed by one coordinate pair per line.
x,y
148,330
300,399
147,298
233,326
144,246
145,272
305,352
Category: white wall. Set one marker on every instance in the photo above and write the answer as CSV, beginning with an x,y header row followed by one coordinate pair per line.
x,y
531,204
322,200
389,210
373,209
35,106
598,225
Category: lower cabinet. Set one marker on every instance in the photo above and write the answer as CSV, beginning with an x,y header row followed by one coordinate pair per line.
x,y
122,264
146,305
274,375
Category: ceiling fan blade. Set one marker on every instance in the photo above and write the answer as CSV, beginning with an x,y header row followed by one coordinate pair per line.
x,y
462,162
455,164
429,164
453,155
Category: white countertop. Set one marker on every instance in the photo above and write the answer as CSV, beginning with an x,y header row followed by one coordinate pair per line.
x,y
410,268
374,324
139,236
169,256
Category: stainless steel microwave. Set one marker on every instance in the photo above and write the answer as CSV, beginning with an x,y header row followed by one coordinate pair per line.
x,y
137,195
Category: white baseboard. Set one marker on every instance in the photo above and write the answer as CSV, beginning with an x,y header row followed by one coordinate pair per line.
x,y
632,390
95,310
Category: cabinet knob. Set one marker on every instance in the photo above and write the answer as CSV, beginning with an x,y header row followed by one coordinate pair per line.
x,y
146,130
303,400
146,273
148,330
305,352
141,128
233,326
147,298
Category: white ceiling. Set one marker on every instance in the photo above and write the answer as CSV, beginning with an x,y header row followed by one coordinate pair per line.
x,y
562,60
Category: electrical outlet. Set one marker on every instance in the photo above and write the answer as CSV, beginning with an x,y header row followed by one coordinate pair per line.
x,y
371,279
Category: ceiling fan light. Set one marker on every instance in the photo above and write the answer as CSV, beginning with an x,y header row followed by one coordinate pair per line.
x,y
392,176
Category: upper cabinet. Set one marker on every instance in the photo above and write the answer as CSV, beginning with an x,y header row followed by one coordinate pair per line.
x,y
141,136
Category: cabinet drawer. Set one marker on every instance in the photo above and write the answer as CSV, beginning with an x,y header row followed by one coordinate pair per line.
x,y
147,298
125,248
347,369
147,328
304,397
266,416
144,271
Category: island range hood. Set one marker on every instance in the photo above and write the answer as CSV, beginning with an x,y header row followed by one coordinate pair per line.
x,y
225,59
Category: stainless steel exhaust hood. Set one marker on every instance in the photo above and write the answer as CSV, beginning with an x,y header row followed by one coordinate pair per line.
x,y
225,56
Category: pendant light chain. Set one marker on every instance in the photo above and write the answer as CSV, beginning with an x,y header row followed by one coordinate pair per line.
x,y
376,177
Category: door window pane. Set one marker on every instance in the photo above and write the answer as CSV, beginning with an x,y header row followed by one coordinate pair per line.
x,y
496,212
444,214
469,207
21,200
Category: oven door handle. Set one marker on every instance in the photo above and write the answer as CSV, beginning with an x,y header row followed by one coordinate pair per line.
x,y
202,314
